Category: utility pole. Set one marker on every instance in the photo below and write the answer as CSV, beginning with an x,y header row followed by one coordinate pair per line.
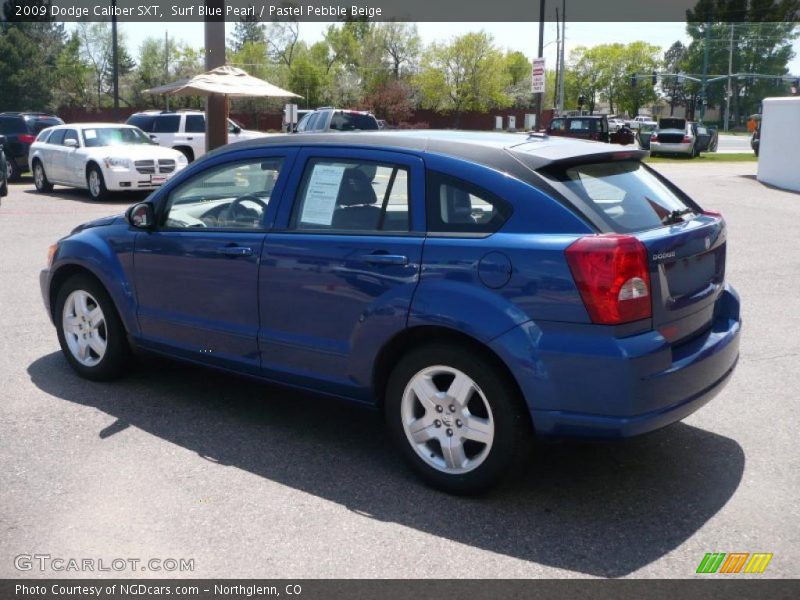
x,y
703,99
216,104
729,92
540,97
558,67
166,63
563,64
115,59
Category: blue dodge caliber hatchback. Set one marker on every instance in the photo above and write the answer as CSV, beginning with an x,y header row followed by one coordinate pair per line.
x,y
479,289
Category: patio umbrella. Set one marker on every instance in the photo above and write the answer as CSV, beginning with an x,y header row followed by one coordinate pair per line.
x,y
227,81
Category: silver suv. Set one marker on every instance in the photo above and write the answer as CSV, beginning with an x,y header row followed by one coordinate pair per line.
x,y
337,119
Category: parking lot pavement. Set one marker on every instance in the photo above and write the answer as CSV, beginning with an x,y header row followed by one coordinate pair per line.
x,y
258,481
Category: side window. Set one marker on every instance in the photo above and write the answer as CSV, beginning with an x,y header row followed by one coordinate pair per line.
x,y
71,134
231,196
346,195
321,124
557,125
195,124
303,124
455,206
143,122
167,124
57,137
43,136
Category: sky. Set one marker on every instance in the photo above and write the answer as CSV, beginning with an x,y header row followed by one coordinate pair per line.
x,y
511,36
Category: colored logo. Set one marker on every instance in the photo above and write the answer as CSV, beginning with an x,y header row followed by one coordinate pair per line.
x,y
734,562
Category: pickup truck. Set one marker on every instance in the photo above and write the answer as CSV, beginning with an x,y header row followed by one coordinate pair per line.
x,y
637,122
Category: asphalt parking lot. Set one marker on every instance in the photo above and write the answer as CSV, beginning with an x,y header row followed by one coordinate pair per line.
x,y
257,481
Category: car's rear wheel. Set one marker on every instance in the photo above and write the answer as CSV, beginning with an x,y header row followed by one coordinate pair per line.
x,y
13,171
96,184
90,331
40,178
456,420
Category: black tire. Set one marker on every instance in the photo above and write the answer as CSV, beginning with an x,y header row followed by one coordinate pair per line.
x,y
512,431
117,353
42,183
101,192
14,172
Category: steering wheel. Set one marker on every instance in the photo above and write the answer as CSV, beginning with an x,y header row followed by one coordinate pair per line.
x,y
230,212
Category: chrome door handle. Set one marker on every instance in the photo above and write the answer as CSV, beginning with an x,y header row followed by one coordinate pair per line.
x,y
385,259
234,251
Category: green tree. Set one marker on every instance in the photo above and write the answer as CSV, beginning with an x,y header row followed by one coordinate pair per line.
x,y
72,79
247,29
763,32
464,74
29,53
674,88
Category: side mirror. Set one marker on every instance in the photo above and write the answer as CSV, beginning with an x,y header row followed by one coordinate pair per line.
x,y
71,143
236,129
141,216
154,138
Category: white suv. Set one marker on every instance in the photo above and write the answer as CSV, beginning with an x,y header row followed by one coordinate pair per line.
x,y
185,130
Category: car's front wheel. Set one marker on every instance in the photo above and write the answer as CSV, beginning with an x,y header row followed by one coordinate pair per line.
x,y
40,178
455,418
95,183
90,331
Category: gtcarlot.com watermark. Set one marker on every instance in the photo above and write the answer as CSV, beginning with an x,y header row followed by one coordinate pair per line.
x,y
61,564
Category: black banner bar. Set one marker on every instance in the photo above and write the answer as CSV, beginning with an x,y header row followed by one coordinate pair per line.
x,y
732,588
391,10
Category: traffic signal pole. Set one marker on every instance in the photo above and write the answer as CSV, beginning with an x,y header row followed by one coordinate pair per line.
x,y
539,99
705,73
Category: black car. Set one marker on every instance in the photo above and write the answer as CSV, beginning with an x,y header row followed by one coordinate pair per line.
x,y
755,140
20,130
3,169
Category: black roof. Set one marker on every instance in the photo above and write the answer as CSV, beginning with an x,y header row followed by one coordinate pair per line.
x,y
513,153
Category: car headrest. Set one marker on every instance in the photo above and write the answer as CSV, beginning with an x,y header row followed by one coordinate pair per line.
x,y
356,189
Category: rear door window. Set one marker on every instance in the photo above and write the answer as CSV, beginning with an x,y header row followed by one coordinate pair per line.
x,y
143,122
353,196
625,193
167,124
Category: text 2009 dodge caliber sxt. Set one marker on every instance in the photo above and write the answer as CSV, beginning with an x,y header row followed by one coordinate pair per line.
x,y
478,289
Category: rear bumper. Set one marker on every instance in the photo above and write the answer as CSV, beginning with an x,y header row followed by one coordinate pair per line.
x,y
667,148
581,384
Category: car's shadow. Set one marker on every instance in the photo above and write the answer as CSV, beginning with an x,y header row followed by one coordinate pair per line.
x,y
604,509
79,195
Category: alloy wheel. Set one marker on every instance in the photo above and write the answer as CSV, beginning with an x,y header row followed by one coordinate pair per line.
x,y
447,419
84,327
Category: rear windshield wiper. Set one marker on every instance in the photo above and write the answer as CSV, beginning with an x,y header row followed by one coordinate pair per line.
x,y
676,216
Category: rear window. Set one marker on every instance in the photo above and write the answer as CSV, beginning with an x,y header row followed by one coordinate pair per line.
x,y
672,124
36,124
12,125
625,193
350,121
581,124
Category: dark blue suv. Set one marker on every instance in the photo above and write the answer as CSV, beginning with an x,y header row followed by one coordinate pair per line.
x,y
476,288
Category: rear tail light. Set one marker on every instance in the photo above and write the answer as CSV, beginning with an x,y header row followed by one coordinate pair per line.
x,y
26,138
654,137
711,213
612,276
686,139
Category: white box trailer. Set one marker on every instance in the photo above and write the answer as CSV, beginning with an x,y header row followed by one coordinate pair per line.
x,y
779,155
